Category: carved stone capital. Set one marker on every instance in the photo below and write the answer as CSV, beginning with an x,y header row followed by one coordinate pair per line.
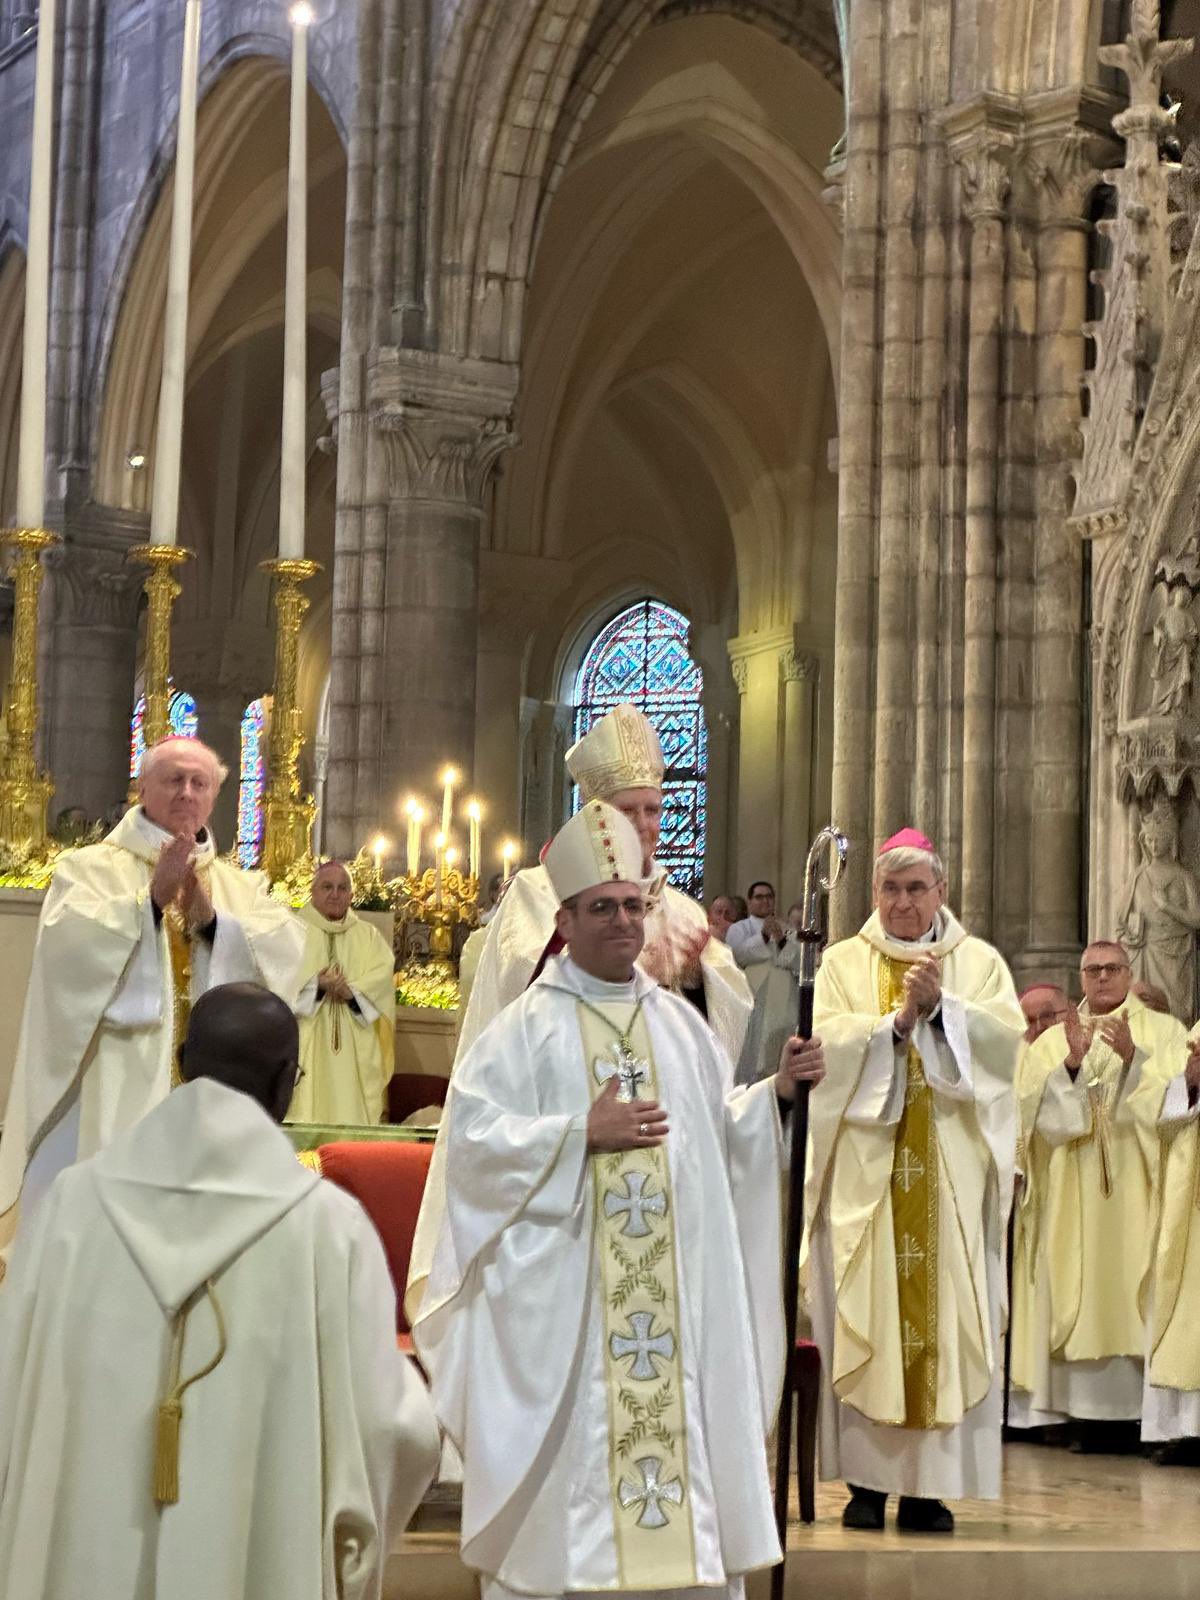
x,y
94,587
739,669
796,666
1065,171
986,177
445,421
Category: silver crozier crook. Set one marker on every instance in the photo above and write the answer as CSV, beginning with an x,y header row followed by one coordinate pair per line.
x,y
830,846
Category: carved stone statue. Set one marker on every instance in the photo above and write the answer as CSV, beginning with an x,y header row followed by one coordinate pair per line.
x,y
1175,638
1162,913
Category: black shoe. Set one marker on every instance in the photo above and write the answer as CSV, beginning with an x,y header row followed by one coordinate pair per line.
x,y
924,1516
864,1509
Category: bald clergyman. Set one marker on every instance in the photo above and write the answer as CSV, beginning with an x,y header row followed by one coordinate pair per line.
x,y
133,930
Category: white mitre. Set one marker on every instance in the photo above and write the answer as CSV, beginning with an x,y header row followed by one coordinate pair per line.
x,y
598,845
621,752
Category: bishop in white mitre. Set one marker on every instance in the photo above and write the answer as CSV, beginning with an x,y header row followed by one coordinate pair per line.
x,y
1092,1089
602,1322
620,761
1171,1394
132,931
910,1184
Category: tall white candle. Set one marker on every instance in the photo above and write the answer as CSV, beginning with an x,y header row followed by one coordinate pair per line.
x,y
31,457
449,779
168,448
474,814
293,453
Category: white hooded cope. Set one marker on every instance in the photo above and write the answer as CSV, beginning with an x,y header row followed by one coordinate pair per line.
x,y
303,1450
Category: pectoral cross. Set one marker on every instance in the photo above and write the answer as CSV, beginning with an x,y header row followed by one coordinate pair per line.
x,y
642,1346
625,1066
650,1494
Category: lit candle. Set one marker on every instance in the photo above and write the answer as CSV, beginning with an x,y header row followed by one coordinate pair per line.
x,y
439,867
293,449
168,449
378,847
474,816
508,855
31,458
415,818
449,779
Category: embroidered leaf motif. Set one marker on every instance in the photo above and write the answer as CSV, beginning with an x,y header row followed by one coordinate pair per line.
x,y
639,1273
645,1418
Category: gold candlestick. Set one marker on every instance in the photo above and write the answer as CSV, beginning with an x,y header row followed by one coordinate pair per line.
x,y
24,791
287,831
161,592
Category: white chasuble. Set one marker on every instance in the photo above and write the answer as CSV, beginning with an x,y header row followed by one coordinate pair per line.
x,y
303,1448
604,1333
910,1184
1087,1221
346,1051
523,925
109,991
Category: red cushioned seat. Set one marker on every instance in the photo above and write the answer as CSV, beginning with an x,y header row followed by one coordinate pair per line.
x,y
413,1091
387,1178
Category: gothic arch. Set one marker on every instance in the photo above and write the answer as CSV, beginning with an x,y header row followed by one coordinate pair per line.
x,y
513,97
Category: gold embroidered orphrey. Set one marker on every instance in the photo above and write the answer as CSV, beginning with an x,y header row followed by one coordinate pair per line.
x,y
914,1221
643,1361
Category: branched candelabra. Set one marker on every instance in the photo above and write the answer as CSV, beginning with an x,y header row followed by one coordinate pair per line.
x,y
288,815
24,791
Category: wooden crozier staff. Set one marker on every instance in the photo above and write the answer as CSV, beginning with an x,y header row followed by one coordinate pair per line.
x,y
817,885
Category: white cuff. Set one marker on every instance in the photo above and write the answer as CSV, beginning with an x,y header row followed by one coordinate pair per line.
x,y
1176,1111
308,999
367,1015
879,1097
138,1000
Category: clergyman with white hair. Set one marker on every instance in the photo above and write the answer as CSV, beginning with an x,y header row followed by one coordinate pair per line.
x,y
133,930
910,1184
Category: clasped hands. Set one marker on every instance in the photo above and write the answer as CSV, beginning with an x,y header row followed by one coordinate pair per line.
x,y
676,961
614,1124
331,982
922,994
1113,1029
175,881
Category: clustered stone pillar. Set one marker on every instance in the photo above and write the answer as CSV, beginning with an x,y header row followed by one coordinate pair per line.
x,y
985,185
798,679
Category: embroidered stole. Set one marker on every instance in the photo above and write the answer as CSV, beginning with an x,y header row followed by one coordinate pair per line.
x,y
643,1361
914,1221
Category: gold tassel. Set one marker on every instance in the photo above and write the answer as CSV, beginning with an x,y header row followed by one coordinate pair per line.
x,y
1100,1135
166,1453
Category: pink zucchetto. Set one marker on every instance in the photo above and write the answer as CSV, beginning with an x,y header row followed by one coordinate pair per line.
x,y
907,839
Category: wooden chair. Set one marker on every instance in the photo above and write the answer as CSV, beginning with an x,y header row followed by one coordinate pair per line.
x,y
413,1091
806,1374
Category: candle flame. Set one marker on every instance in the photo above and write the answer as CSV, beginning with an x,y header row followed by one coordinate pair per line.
x,y
509,850
418,812
439,841
474,811
451,856
410,807
449,777
301,15
378,845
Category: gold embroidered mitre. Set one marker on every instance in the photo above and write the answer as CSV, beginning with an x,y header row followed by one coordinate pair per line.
x,y
621,752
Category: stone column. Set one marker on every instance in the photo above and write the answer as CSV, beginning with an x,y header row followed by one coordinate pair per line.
x,y
798,675
755,659
544,781
1066,174
985,186
707,643
91,647
855,607
443,423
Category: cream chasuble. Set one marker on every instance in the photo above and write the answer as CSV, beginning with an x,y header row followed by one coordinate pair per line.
x,y
604,1333
1086,1223
108,991
909,1189
346,1052
1171,1397
524,924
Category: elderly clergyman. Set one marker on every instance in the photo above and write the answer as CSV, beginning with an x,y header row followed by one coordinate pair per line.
x,y
602,1323
914,1139
133,930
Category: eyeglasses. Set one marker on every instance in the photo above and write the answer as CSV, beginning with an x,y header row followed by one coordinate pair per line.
x,y
1104,969
606,910
914,891
1049,1017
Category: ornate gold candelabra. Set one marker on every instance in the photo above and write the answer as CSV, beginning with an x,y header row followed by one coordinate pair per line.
x,y
287,831
24,791
443,900
161,591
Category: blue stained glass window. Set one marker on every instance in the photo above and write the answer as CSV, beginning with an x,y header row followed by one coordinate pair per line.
x,y
182,715
642,657
252,777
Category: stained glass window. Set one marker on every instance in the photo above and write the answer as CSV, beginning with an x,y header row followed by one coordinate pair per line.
x,y
182,715
642,657
252,775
